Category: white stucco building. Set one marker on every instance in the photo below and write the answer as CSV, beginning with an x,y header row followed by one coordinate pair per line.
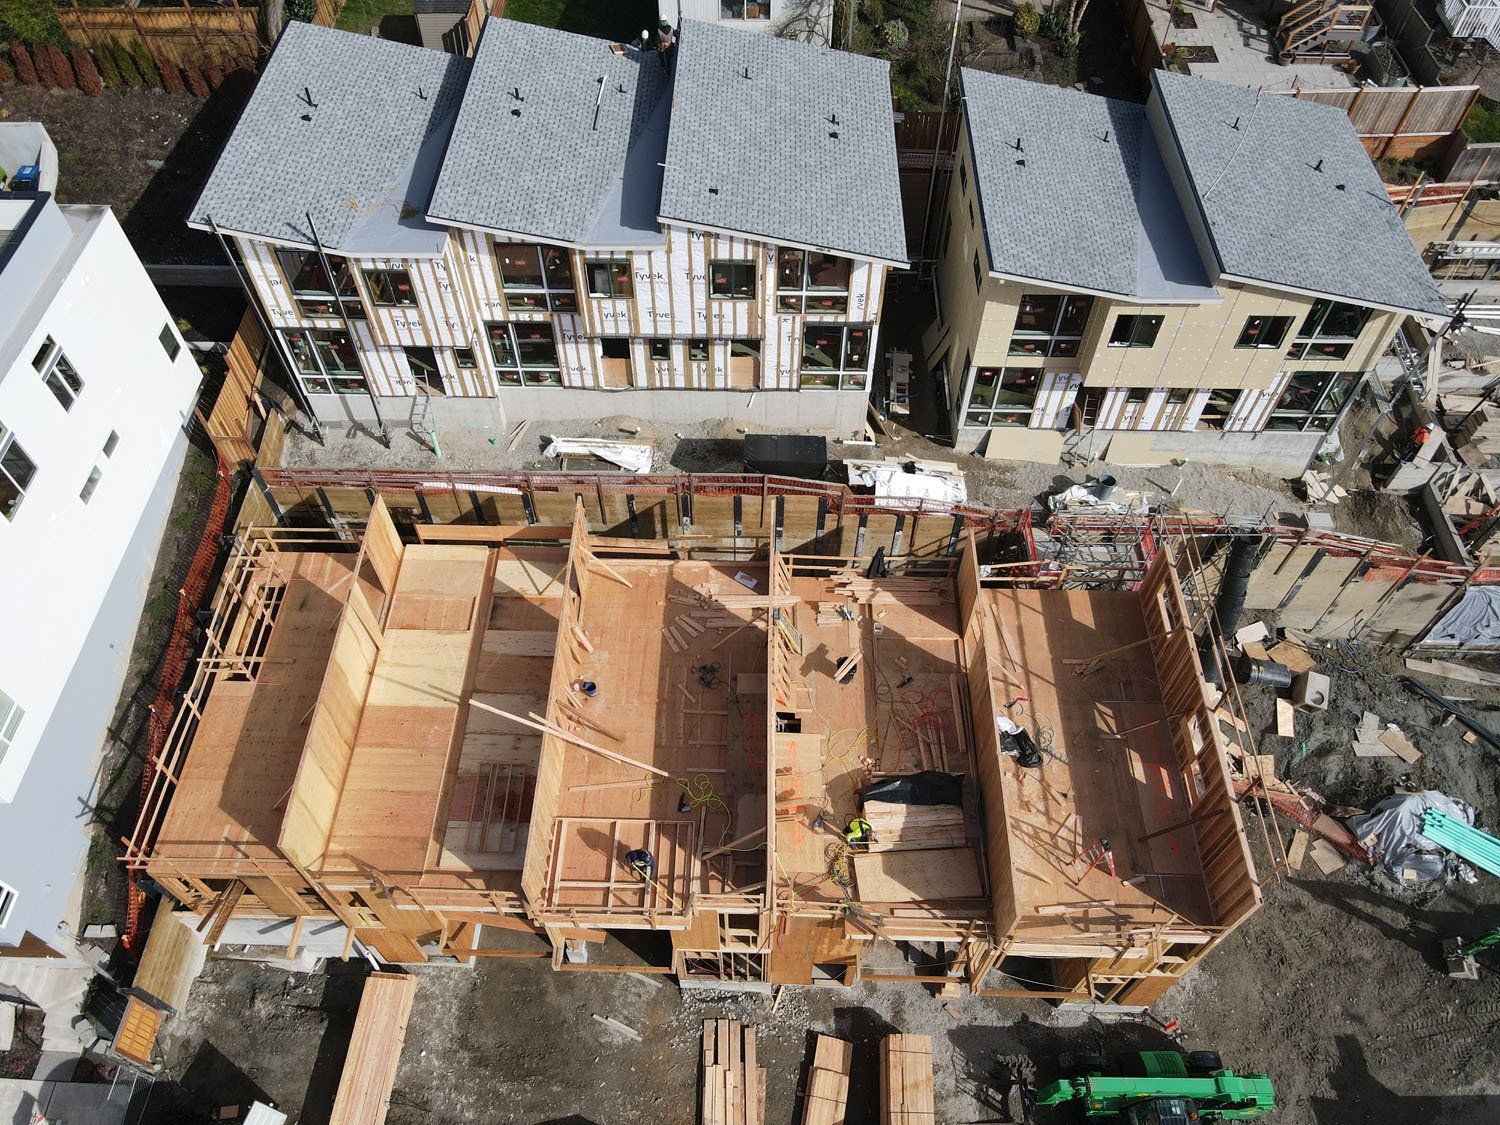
x,y
810,21
95,388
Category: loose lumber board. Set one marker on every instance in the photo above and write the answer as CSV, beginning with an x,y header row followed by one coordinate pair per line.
x,y
827,1093
1448,670
374,1050
734,1087
136,1036
929,875
1293,655
906,1080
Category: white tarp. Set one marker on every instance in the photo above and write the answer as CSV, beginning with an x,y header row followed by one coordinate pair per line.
x,y
910,480
1473,621
1398,844
630,456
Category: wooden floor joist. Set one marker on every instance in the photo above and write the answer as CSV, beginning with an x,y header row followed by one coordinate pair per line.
x,y
734,1087
906,1080
374,1050
827,1092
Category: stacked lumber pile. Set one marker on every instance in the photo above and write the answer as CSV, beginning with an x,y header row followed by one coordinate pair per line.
x,y
903,591
1473,426
827,1082
374,1050
904,827
734,1088
906,1080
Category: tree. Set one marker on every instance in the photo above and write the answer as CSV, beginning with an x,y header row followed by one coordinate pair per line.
x,y
59,69
806,21
304,10
25,71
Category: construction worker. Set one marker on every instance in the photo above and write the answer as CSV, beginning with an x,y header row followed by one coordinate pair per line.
x,y
859,831
665,41
643,863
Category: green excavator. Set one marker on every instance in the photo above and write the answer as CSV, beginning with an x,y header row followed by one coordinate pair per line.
x,y
1160,1088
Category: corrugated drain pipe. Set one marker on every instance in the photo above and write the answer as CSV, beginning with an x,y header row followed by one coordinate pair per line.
x,y
1230,604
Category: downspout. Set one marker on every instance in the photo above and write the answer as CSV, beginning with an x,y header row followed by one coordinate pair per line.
x,y
1230,604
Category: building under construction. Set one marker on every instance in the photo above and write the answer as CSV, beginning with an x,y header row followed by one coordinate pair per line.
x,y
791,768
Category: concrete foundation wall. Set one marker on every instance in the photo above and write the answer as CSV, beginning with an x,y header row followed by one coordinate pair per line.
x,y
1274,451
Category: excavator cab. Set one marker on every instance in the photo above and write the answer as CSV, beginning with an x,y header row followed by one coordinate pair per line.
x,y
1163,1111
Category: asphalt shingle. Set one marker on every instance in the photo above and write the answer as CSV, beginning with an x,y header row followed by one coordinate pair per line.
x,y
559,138
1073,192
1290,197
802,150
360,155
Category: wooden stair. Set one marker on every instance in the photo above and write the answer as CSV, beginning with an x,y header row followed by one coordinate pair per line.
x,y
1320,29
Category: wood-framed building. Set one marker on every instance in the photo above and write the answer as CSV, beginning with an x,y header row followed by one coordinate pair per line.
x,y
558,229
450,749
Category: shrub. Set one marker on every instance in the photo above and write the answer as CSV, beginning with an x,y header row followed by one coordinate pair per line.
x,y
7,75
894,34
195,82
107,67
873,11
304,10
88,74
130,74
214,75
145,65
29,21
25,70
58,66
1027,21
171,77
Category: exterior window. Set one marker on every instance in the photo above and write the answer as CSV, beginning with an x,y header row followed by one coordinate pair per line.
x,y
43,354
89,485
391,288
659,349
732,280
1134,331
963,176
326,361
314,294
807,281
62,379
698,351
1264,332
111,443
609,279
836,356
1313,400
537,278
524,354
16,471
1050,325
169,342
1003,396
463,359
424,369
1329,332
7,902
744,9
1218,409
749,349
978,274
947,235
11,715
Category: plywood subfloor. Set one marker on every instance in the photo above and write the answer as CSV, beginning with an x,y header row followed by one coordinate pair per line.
x,y
243,757
1091,786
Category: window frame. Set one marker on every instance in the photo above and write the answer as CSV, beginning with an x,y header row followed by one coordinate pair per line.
x,y
728,10
1054,343
734,266
516,372
551,295
1331,345
337,296
383,290
86,493
1209,418
12,714
618,270
659,349
806,297
170,342
1321,417
1153,321
10,447
991,415
842,376
62,379
1256,338
419,367
8,897
334,381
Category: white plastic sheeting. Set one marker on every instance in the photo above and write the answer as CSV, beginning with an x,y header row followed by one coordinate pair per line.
x,y
630,456
910,480
1473,621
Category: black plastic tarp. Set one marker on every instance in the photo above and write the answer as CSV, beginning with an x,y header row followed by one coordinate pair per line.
x,y
926,788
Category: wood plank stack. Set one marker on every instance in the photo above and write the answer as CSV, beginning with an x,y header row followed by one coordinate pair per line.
x,y
902,591
374,1050
904,827
906,1080
734,1088
827,1082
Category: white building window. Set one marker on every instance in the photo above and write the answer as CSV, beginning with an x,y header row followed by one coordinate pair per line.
x,y
111,443
7,901
16,471
58,373
89,485
169,341
836,356
745,9
11,715
809,281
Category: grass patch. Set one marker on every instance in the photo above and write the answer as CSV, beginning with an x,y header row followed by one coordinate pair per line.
x,y
1482,126
606,19
362,15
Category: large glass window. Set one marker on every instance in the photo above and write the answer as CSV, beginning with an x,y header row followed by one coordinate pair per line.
x,y
1048,325
537,277
1330,331
732,280
1218,409
1003,396
836,356
391,288
1133,330
524,354
16,473
1313,400
1264,332
807,281
609,278
745,9
58,373
314,293
326,361
11,715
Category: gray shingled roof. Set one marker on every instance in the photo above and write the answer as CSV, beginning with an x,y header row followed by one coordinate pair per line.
x,y
1085,201
755,155
1290,197
361,158
538,164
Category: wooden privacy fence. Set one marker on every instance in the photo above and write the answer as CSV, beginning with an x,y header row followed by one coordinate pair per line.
x,y
918,133
1400,122
226,35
